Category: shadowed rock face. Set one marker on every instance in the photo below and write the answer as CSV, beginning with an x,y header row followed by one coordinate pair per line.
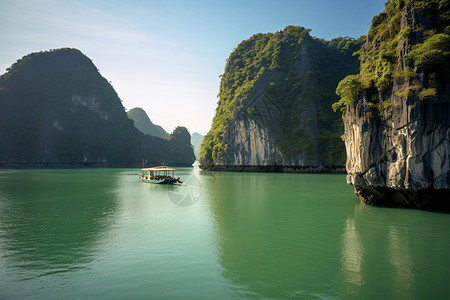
x,y
57,110
403,158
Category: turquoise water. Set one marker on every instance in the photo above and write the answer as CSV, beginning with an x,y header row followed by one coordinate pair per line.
x,y
102,234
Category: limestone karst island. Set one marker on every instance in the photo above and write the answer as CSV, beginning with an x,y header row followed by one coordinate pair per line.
x,y
57,110
393,91
252,149
274,110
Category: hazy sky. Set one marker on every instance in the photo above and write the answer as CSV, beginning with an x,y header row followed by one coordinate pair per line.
x,y
166,56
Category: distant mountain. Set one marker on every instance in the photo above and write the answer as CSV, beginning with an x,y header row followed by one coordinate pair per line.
x,y
143,123
196,141
56,108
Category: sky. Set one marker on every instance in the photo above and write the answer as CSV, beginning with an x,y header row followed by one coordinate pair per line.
x,y
166,56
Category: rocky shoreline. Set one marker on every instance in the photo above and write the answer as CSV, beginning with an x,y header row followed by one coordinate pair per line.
x,y
427,198
276,169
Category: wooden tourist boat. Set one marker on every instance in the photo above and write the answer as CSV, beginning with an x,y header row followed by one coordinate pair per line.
x,y
160,175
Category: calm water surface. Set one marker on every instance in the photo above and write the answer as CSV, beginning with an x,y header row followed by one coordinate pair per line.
x,y
102,234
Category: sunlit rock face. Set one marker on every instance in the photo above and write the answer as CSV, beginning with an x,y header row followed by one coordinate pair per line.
x,y
401,158
255,140
274,110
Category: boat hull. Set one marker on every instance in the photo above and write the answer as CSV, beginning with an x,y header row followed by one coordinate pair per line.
x,y
163,181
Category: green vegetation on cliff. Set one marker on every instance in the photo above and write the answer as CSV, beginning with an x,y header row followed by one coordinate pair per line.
x,y
295,69
425,48
55,107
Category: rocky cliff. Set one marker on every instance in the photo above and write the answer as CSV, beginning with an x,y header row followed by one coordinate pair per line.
x,y
397,109
274,105
57,109
144,124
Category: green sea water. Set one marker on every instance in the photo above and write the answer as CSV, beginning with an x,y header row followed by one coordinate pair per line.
x,y
103,234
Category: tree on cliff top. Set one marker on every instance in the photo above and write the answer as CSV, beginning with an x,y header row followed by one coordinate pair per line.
x,y
379,65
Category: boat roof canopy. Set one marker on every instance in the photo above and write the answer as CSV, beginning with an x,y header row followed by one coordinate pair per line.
x,y
160,168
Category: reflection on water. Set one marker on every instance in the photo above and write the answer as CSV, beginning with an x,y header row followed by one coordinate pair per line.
x,y
386,253
306,236
48,226
400,258
352,257
188,193
274,236
103,234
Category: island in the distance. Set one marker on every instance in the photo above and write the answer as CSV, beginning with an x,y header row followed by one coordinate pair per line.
x,y
196,141
144,124
57,110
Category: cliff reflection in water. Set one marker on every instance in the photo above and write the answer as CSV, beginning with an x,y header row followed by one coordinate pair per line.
x,y
51,219
275,237
401,260
298,235
352,257
394,253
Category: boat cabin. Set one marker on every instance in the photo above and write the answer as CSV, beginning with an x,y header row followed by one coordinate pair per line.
x,y
161,174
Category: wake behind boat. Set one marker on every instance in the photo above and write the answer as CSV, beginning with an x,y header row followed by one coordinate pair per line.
x,y
161,175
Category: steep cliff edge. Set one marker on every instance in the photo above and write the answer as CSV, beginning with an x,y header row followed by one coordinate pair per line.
x,y
274,103
397,109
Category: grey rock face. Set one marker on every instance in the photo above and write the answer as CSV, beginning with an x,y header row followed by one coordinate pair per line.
x,y
274,107
405,158
254,139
